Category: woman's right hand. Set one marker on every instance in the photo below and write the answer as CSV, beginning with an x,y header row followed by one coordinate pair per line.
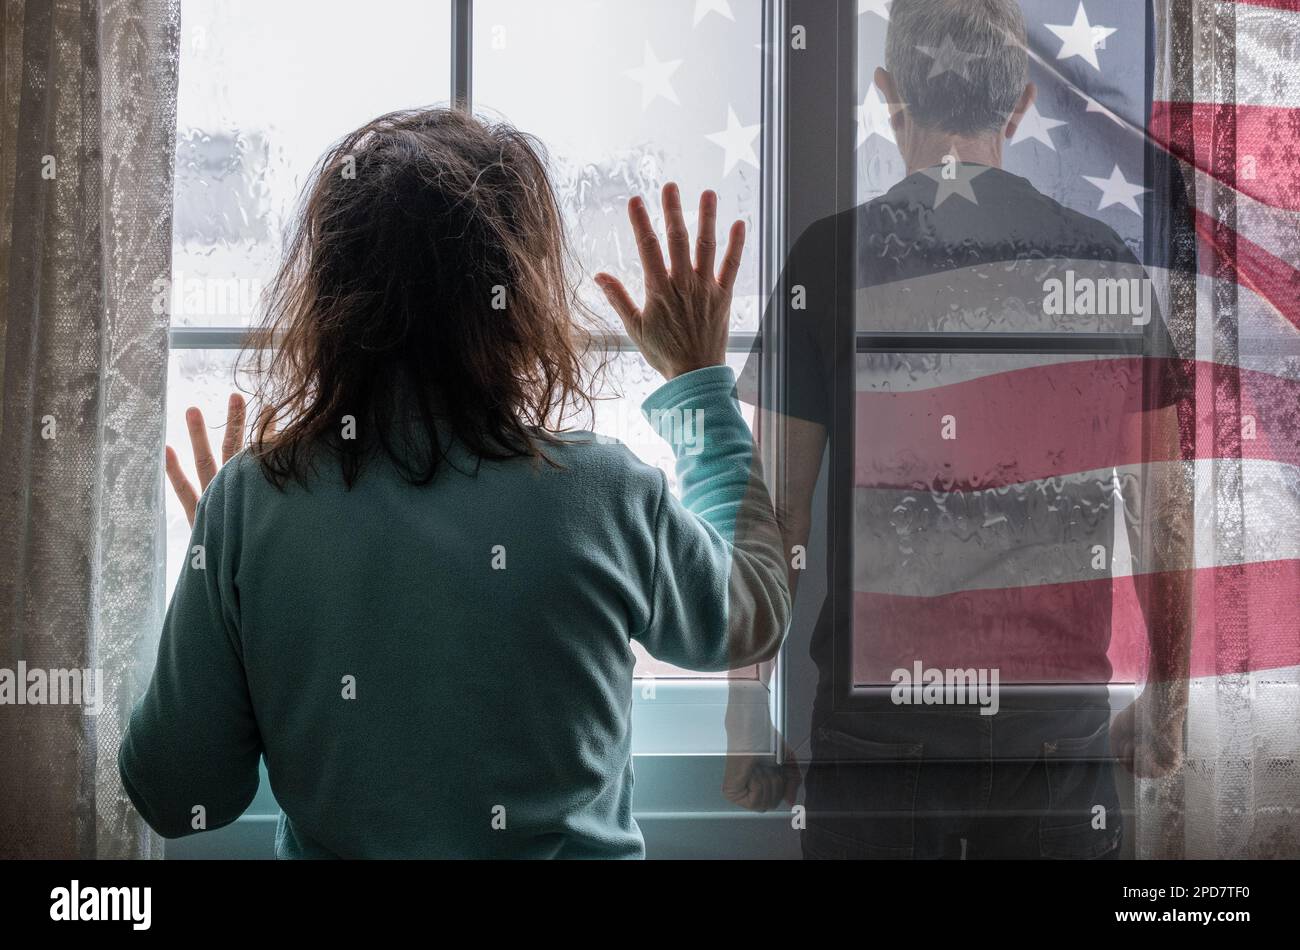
x,y
684,323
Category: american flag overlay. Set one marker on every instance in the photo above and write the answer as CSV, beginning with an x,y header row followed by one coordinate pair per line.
x,y
1115,499
1201,184
610,429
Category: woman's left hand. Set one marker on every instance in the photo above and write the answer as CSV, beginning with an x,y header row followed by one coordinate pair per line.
x,y
203,461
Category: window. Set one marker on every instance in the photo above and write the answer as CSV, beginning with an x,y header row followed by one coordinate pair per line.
x,y
652,91
264,89
972,383
625,94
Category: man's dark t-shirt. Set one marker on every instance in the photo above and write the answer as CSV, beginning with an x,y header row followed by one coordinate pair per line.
x,y
985,485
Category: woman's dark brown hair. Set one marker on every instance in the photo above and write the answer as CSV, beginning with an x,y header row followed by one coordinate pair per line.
x,y
426,293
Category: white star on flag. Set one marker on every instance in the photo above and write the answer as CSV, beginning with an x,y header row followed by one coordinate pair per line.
x,y
721,7
879,7
1115,190
873,117
737,141
1081,38
948,59
1035,125
654,78
960,185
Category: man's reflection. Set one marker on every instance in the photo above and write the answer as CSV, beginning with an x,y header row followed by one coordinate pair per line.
x,y
985,487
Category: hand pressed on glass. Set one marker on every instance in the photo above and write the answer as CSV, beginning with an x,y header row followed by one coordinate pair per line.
x,y
683,324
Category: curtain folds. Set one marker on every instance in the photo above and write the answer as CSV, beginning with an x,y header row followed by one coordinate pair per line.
x,y
87,144
1237,794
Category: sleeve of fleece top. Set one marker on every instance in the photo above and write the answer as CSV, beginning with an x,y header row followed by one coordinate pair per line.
x,y
720,597
193,741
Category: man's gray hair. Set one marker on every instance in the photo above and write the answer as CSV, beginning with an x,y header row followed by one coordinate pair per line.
x,y
960,65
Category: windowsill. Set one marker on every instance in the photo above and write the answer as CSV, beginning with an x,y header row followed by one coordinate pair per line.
x,y
678,745
678,800
683,718
686,717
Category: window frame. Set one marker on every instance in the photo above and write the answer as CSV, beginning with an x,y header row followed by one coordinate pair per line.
x,y
827,170
679,740
672,716
811,100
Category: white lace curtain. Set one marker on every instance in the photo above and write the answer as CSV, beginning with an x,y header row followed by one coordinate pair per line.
x,y
86,156
1238,792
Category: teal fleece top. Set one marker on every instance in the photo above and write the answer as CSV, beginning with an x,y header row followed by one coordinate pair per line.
x,y
445,671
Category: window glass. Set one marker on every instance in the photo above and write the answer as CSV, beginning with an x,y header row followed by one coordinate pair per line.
x,y
648,93
987,529
264,90
203,378
258,107
652,92
987,534
1084,120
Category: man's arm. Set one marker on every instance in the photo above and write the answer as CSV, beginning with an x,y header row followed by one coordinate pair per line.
x,y
1148,736
751,779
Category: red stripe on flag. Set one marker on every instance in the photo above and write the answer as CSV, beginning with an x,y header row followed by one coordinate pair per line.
x,y
1267,138
1292,5
1269,276
1247,619
1058,419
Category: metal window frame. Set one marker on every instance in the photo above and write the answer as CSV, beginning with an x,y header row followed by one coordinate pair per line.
x,y
238,338
805,100
809,170
774,249
462,54
833,160
680,716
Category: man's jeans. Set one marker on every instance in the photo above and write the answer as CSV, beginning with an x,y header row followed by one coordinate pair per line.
x,y
924,783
